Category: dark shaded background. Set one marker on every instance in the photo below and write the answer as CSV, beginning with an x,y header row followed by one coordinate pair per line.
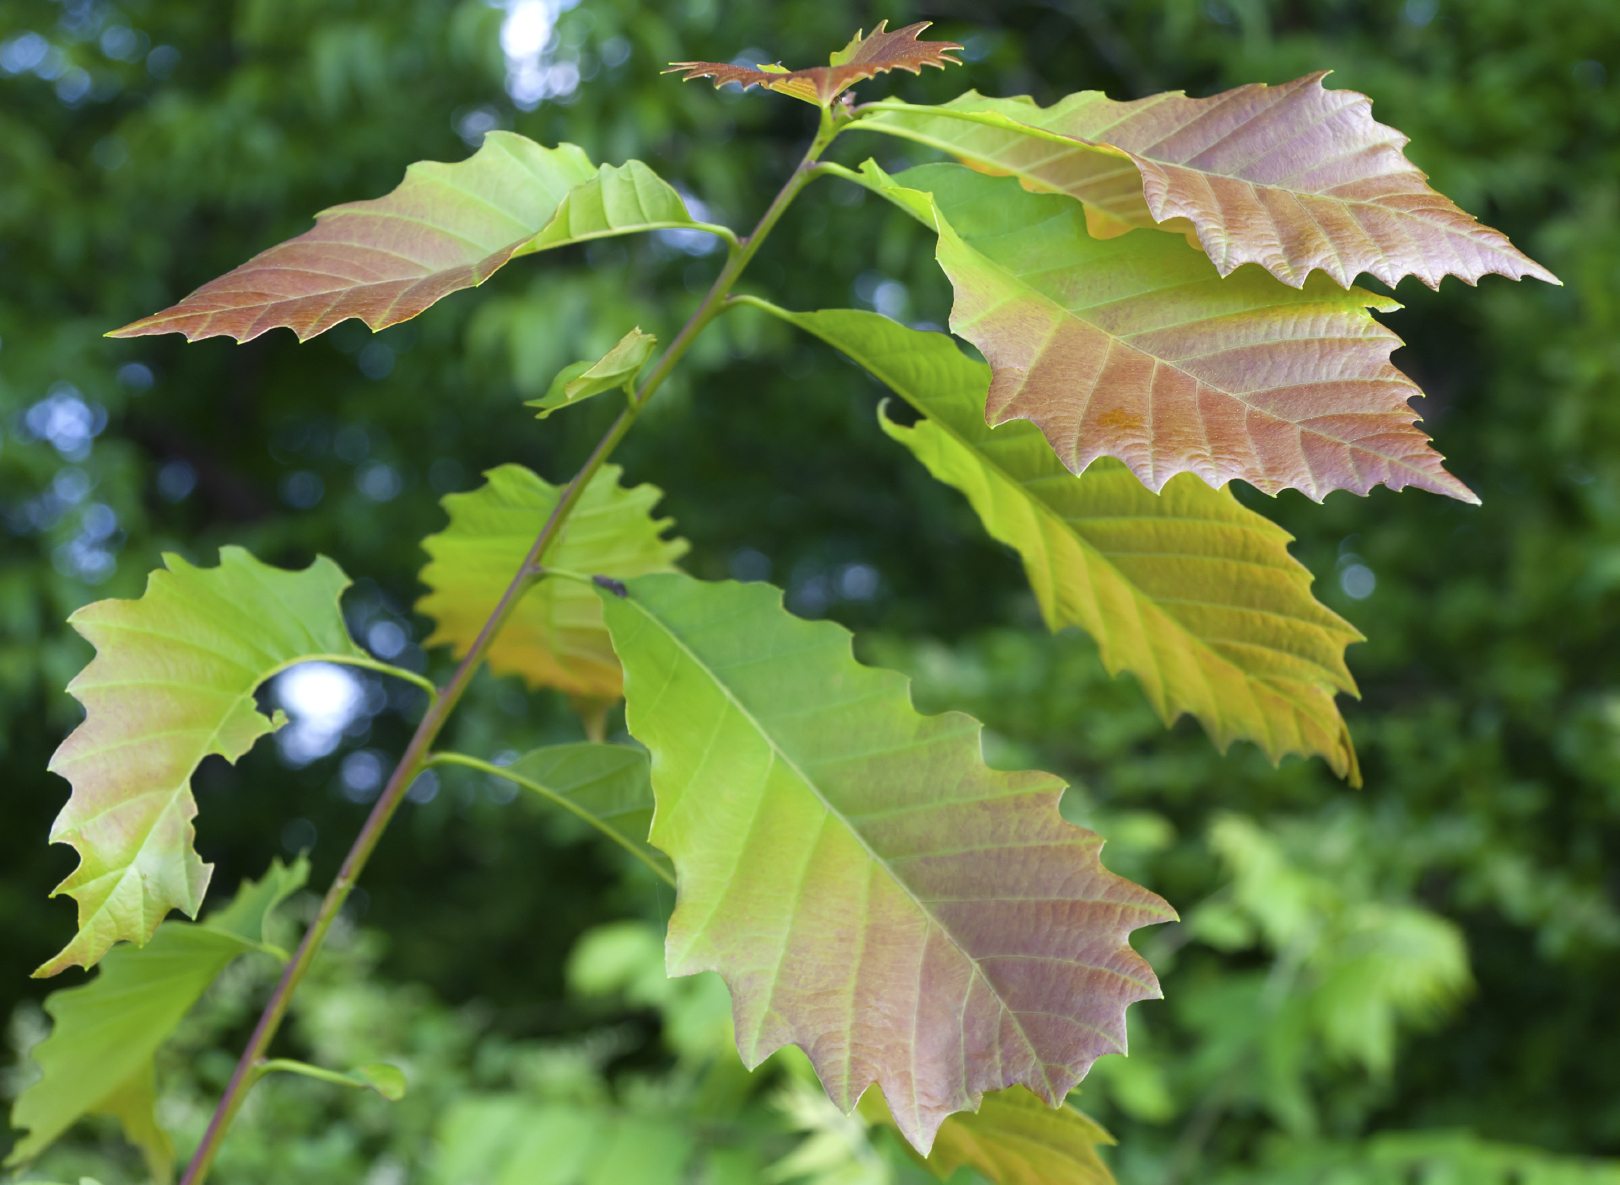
x,y
148,146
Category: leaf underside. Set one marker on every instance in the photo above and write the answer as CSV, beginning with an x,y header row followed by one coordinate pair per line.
x,y
1135,347
555,638
1191,592
864,57
1014,1139
173,682
98,1058
1294,178
868,888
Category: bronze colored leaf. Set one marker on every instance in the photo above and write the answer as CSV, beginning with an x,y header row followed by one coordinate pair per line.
x,y
1135,347
444,228
1294,177
864,57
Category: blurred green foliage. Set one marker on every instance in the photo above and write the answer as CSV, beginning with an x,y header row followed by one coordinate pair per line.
x,y
1412,983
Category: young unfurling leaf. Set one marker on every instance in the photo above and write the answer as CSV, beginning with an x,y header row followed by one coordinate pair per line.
x,y
172,683
869,889
1187,589
555,638
1136,348
615,370
1293,177
866,56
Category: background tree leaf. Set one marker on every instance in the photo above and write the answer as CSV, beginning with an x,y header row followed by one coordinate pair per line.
x,y
1294,177
615,370
172,683
555,638
1013,1139
618,200
864,57
513,1140
1189,590
98,1057
444,228
868,888
1135,347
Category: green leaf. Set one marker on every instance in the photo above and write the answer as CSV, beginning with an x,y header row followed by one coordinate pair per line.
x,y
172,683
555,638
618,200
1186,589
1014,1139
614,371
1136,348
868,888
513,1140
444,228
1293,177
606,786
98,1058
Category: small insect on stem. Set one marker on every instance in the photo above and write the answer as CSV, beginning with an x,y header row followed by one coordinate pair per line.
x,y
616,587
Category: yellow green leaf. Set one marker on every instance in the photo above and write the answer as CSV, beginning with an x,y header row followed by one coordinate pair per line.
x,y
1187,589
556,637
1013,1139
